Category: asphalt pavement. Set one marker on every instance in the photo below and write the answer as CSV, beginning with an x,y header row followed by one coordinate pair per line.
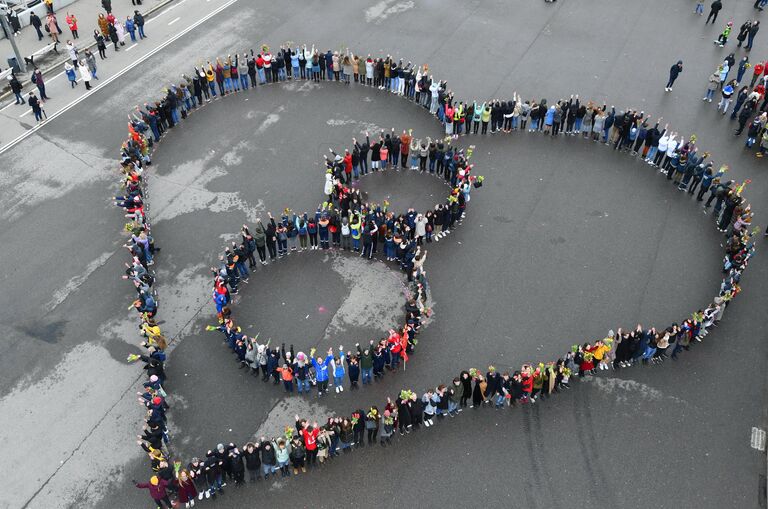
x,y
566,240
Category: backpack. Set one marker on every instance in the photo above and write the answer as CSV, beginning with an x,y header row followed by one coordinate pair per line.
x,y
34,78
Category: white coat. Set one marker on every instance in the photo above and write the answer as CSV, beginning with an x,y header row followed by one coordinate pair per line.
x,y
85,73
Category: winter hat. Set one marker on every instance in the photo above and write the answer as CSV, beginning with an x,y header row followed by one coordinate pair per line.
x,y
157,400
220,447
386,413
154,480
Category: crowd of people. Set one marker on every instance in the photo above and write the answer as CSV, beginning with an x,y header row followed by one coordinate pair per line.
x,y
346,221
81,65
306,443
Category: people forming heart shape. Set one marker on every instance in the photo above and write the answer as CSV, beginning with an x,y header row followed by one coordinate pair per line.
x,y
347,221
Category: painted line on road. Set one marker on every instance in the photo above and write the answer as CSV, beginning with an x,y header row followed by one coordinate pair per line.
x,y
25,113
169,9
119,74
174,20
129,48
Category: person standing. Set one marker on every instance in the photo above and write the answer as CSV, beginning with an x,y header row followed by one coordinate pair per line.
x,y
107,5
727,93
743,31
121,33
138,20
36,108
113,35
49,5
712,85
752,33
674,72
72,51
71,20
100,44
85,74
15,85
13,22
156,487
37,79
90,61
69,70
51,27
35,21
714,8
130,27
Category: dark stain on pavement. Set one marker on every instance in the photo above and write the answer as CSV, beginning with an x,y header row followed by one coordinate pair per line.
x,y
50,332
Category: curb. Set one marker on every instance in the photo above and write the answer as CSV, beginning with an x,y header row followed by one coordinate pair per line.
x,y
60,63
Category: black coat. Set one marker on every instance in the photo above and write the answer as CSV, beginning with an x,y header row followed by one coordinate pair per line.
x,y
268,456
252,459
15,85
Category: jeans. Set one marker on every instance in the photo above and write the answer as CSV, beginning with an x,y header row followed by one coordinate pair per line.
x,y
212,85
262,78
268,469
367,375
244,81
724,103
141,31
19,98
302,385
216,485
338,380
281,74
709,95
38,115
242,271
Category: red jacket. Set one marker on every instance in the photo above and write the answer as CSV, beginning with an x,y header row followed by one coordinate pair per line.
x,y
527,383
156,492
347,163
758,70
310,438
186,490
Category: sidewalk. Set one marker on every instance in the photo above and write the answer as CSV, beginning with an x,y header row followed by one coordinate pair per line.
x,y
87,12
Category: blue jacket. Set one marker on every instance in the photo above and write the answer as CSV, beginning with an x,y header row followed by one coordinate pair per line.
x,y
321,370
339,369
549,117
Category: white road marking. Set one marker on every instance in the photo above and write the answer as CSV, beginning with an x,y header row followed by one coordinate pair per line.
x,y
129,48
174,20
109,80
25,113
171,7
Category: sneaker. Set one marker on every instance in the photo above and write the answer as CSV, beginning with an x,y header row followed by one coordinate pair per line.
x,y
341,389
